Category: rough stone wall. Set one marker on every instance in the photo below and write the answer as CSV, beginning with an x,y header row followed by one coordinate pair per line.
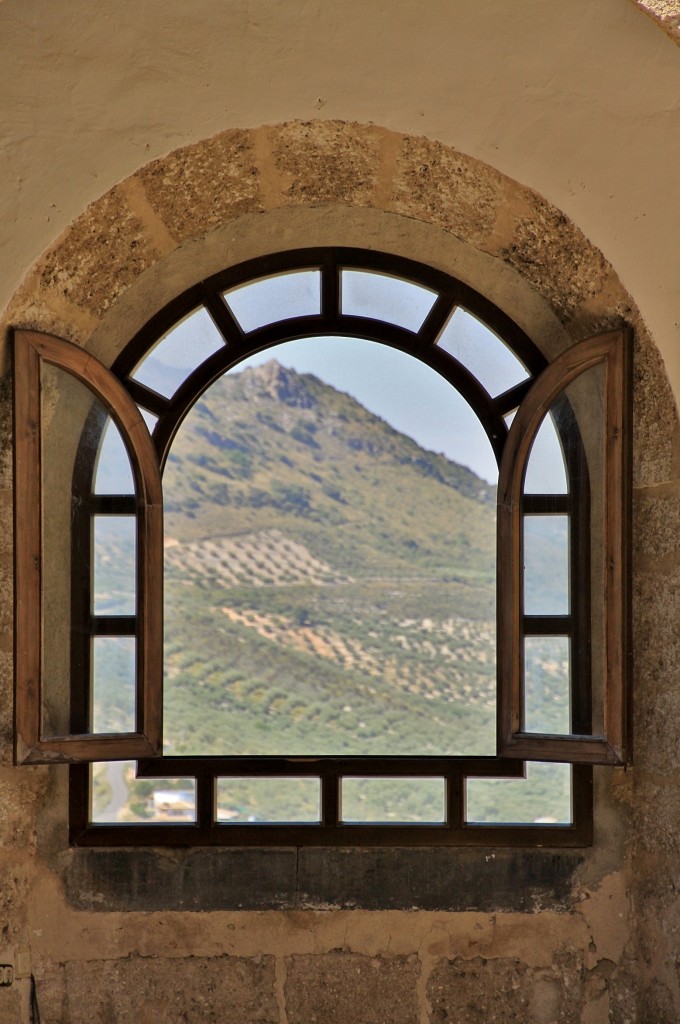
x,y
604,952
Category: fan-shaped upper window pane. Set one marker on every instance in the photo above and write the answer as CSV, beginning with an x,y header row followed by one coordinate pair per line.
x,y
382,297
271,299
184,347
114,472
482,352
546,472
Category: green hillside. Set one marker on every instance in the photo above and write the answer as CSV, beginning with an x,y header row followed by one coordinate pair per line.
x,y
330,585
344,577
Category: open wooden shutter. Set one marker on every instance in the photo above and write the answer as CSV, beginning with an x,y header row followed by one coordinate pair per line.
x,y
32,353
608,743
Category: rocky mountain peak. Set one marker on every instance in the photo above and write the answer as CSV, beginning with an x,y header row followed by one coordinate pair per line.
x,y
279,383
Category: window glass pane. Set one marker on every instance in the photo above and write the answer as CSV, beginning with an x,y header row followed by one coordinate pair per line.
x,y
149,419
120,798
113,684
543,798
72,421
184,347
546,565
393,800
268,800
585,437
115,545
482,352
546,472
276,298
330,581
113,474
382,297
547,679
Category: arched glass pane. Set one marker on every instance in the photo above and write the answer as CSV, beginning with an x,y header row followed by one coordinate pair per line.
x,y
382,297
482,352
546,472
271,299
330,580
178,352
113,474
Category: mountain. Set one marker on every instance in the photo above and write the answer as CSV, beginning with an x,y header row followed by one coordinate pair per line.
x,y
330,585
347,565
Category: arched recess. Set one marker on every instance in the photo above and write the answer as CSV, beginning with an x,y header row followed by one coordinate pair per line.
x,y
246,192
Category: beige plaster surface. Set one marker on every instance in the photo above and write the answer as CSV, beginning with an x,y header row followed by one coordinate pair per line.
x,y
577,100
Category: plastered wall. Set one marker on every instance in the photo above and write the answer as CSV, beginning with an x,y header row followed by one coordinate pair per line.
x,y
476,936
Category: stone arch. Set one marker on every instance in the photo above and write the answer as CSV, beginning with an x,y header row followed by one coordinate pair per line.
x,y
244,192
247,191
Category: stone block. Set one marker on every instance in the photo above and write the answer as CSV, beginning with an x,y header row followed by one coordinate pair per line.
x,y
450,189
104,250
143,990
22,791
438,878
506,991
555,257
655,440
198,187
326,162
656,542
656,814
10,1005
347,988
197,880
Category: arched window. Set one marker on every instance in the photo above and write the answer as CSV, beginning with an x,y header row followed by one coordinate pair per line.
x,y
393,573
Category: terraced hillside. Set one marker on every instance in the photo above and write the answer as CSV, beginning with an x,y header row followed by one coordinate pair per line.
x,y
330,586
340,577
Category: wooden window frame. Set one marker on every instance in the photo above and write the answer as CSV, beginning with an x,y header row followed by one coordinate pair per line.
x,y
31,349
614,351
118,390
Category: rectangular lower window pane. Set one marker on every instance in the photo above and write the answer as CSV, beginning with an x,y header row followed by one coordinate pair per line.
x,y
542,798
393,801
547,684
115,544
113,684
269,800
546,565
121,799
